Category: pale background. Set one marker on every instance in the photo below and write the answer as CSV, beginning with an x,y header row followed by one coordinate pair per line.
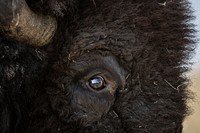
x,y
192,123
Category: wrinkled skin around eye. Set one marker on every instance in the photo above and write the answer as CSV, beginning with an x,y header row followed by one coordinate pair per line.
x,y
90,105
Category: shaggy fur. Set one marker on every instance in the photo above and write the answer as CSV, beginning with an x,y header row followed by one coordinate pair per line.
x,y
150,39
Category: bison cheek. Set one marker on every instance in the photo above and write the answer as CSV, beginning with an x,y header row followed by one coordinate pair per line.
x,y
89,107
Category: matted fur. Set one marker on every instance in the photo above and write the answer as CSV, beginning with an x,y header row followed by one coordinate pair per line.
x,y
151,39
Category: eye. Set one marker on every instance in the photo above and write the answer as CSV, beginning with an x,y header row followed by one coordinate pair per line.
x,y
97,83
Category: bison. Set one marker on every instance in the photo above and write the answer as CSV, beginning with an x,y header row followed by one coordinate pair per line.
x,y
115,66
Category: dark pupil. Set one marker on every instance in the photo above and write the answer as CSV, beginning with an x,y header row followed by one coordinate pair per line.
x,y
96,83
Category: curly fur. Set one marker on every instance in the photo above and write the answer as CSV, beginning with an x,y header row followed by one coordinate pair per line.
x,y
151,39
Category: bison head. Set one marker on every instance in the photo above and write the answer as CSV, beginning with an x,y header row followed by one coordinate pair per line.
x,y
117,67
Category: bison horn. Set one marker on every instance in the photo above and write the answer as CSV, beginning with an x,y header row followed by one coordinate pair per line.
x,y
18,22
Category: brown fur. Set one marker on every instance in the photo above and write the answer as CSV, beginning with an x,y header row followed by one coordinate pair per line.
x,y
149,39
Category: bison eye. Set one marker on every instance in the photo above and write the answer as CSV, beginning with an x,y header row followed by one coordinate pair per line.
x,y
97,83
97,74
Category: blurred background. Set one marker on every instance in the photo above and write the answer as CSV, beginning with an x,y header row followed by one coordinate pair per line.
x,y
192,123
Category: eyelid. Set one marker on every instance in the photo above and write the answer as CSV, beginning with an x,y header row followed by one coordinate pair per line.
x,y
110,81
105,74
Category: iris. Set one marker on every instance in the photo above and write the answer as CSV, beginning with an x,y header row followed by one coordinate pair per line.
x,y
97,83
